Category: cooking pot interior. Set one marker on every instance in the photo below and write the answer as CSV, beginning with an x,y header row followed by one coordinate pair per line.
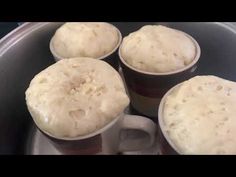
x,y
25,52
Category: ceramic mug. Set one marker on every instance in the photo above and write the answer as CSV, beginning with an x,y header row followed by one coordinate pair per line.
x,y
111,57
124,133
146,88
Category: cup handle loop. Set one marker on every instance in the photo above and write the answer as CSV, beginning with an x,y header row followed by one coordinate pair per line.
x,y
137,133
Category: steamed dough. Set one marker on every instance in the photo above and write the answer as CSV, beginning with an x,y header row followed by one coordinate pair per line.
x,y
76,97
87,39
158,49
200,116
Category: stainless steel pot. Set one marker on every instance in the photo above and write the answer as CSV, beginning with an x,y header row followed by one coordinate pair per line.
x,y
25,51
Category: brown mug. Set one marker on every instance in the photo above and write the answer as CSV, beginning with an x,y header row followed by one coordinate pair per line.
x,y
125,133
146,88
111,57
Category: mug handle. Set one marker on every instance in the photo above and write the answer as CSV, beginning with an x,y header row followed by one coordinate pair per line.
x,y
136,133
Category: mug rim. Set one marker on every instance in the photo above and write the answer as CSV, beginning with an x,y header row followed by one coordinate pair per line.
x,y
82,137
58,57
194,61
161,117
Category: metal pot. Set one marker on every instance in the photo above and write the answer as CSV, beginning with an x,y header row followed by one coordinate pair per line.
x,y
25,51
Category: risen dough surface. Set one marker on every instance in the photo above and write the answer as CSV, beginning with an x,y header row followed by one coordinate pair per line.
x,y
76,97
200,116
87,39
158,49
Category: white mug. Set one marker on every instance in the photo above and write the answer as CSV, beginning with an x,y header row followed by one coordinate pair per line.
x,y
124,133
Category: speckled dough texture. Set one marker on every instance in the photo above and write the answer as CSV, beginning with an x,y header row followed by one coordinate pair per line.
x,y
85,39
75,97
158,49
199,116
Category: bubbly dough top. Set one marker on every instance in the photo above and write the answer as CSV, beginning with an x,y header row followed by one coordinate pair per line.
x,y
158,49
200,116
87,39
75,97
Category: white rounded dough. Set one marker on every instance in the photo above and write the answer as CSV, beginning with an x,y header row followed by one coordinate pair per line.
x,y
158,49
199,116
85,39
75,97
